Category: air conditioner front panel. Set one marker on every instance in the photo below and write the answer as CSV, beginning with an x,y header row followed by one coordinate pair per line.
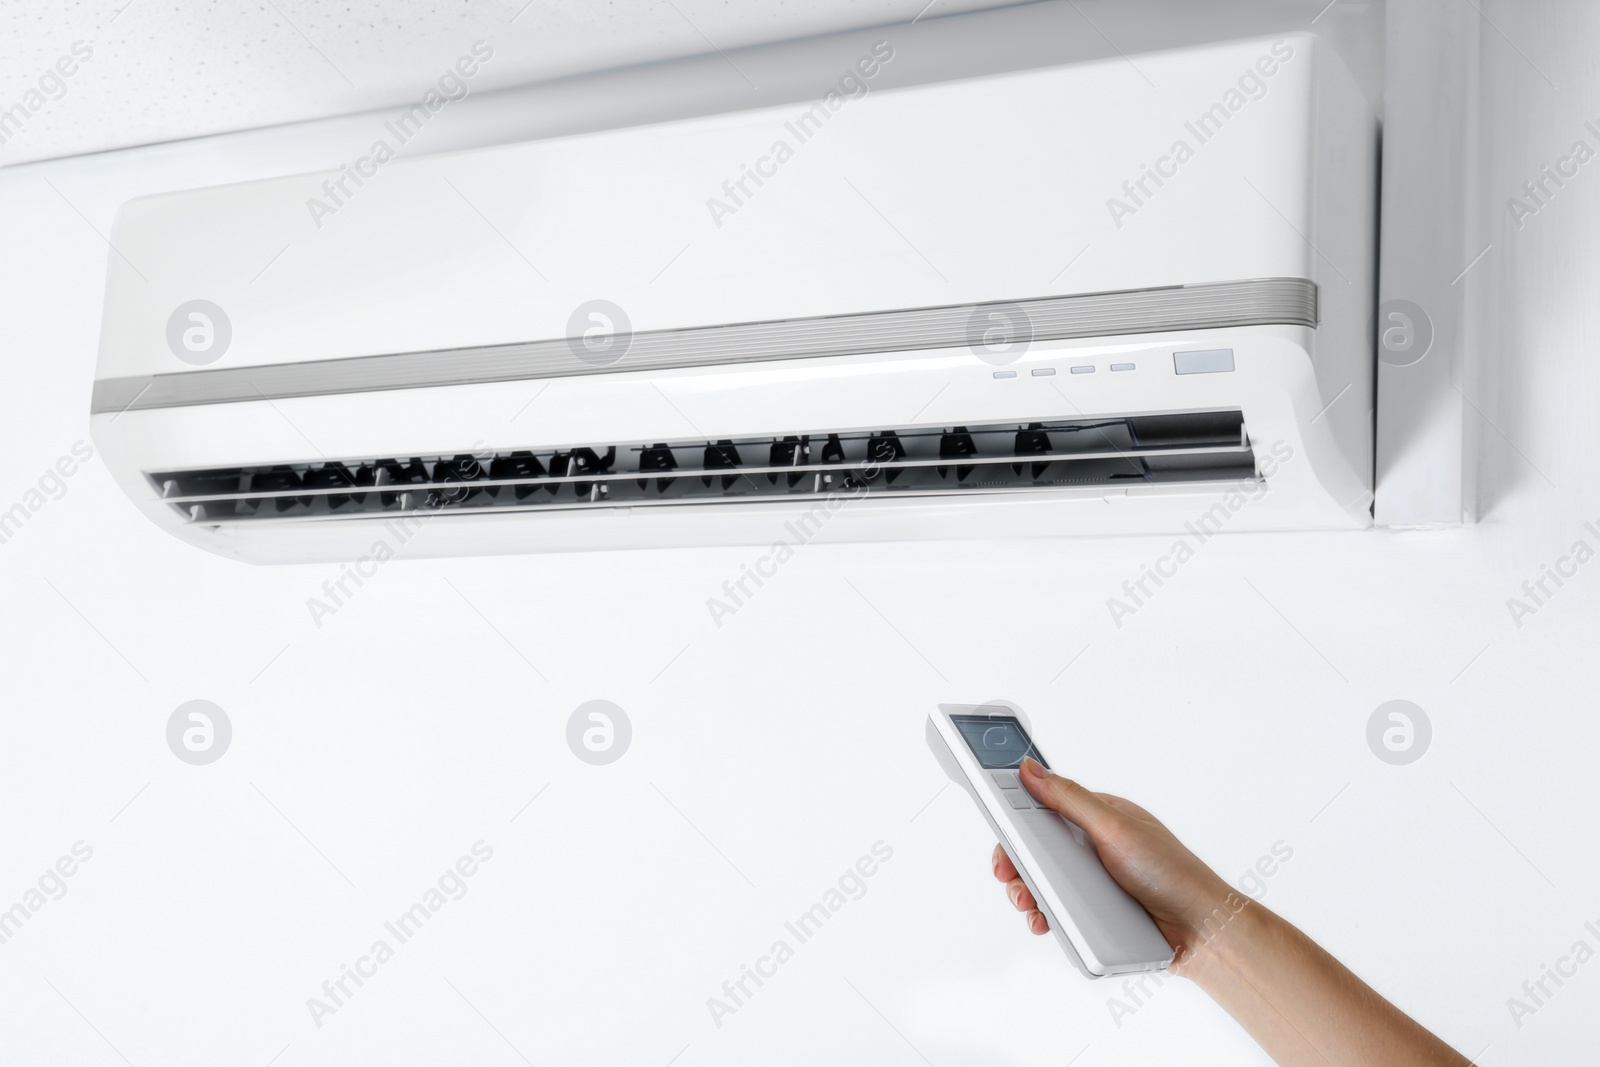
x,y
941,194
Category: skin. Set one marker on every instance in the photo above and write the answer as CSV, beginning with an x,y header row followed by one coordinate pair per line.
x,y
1299,1003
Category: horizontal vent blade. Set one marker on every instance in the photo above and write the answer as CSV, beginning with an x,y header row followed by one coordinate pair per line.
x,y
915,461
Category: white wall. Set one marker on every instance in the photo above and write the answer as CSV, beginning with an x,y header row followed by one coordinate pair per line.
x,y
771,753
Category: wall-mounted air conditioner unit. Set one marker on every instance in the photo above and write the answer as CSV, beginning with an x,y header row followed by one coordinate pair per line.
x,y
1121,296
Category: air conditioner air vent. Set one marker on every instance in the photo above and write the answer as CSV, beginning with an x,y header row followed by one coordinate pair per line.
x,y
913,461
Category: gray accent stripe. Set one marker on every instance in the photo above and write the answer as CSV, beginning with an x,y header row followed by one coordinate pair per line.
x,y
1260,302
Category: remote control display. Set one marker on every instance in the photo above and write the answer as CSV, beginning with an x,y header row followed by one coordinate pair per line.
x,y
998,742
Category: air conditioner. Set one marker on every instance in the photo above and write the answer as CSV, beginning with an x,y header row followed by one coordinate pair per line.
x,y
1122,296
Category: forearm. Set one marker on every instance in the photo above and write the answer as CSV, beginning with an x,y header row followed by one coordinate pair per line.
x,y
1300,1004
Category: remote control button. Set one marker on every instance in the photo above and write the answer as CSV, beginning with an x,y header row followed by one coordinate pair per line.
x,y
1007,780
1018,800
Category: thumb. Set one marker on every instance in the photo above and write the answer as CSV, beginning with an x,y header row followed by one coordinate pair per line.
x,y
1088,810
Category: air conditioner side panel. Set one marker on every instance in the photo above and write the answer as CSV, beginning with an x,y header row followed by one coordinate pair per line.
x,y
1344,151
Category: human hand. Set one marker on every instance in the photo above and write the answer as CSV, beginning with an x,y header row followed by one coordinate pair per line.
x,y
1178,890
1302,1005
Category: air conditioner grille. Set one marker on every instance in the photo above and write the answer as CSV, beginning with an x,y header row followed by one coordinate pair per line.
x,y
901,461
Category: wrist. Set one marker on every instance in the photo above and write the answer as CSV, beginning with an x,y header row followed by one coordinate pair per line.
x,y
1216,937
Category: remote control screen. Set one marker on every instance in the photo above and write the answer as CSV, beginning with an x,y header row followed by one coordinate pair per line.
x,y
998,742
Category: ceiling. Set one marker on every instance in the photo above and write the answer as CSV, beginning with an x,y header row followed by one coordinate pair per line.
x,y
162,70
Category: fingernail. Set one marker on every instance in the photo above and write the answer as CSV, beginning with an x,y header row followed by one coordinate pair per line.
x,y
1033,767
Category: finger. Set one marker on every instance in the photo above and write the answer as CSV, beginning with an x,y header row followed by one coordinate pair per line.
x,y
1021,899
1087,809
1004,869
1037,923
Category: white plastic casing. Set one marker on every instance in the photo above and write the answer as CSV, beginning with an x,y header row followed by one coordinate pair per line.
x,y
995,188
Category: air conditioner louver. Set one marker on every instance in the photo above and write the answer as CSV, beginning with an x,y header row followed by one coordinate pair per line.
x,y
900,461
